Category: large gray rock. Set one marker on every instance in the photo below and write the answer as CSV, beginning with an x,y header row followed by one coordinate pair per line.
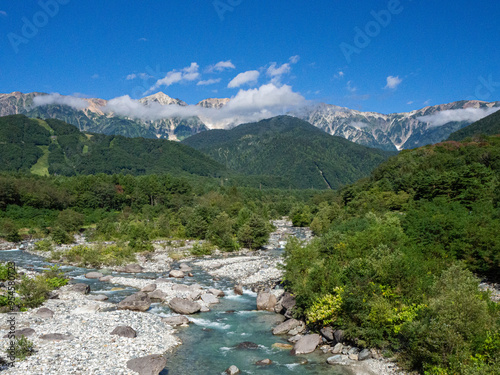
x,y
80,288
139,301
176,320
26,332
195,294
209,298
184,267
56,337
217,292
148,365
238,289
233,370
97,297
264,362
183,306
149,288
364,354
287,301
337,360
177,274
307,344
299,329
181,288
339,335
286,326
327,333
124,331
337,349
106,278
266,301
132,268
157,295
94,275
45,313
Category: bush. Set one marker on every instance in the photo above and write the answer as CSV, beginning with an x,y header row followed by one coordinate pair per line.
x,y
43,245
23,348
204,249
60,236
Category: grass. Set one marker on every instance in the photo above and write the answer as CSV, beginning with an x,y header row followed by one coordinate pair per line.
x,y
41,168
45,125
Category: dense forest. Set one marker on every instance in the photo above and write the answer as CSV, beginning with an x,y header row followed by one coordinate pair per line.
x,y
292,148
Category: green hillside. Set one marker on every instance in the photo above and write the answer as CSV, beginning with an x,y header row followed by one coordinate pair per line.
x,y
489,125
55,147
291,148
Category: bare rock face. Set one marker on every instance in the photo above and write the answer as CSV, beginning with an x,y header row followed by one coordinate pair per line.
x,y
286,326
148,365
124,331
266,301
307,344
139,301
184,306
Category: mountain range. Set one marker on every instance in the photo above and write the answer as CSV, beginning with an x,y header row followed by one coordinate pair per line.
x,y
389,132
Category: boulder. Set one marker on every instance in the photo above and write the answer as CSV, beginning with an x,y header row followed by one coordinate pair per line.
x,y
280,345
232,370
139,301
286,326
181,288
264,362
238,289
337,360
306,344
183,306
353,350
287,301
194,295
204,309
294,339
80,288
26,332
184,267
45,313
190,274
247,345
94,275
176,320
209,299
339,335
148,365
217,292
97,297
337,349
56,337
157,295
106,278
266,301
299,329
353,357
124,331
149,288
327,333
364,354
177,274
132,268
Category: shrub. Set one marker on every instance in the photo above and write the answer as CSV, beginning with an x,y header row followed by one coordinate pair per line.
x,y
206,248
43,245
60,236
23,348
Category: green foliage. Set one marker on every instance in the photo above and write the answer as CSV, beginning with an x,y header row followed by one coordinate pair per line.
x,y
70,221
43,245
326,309
489,125
99,255
23,348
205,248
60,236
5,272
255,233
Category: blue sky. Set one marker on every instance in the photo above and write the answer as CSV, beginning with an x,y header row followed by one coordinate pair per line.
x,y
412,53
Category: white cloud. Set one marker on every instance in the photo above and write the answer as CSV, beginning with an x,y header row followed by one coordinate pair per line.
x,y
393,82
142,40
427,102
189,73
358,124
410,102
208,82
58,99
294,59
131,76
275,70
351,88
246,106
248,77
453,115
138,75
220,66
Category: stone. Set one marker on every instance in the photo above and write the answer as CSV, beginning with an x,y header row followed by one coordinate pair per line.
x,y
139,301
217,292
353,357
176,320
97,297
26,332
149,288
132,268
337,360
204,309
339,335
287,301
327,333
325,348
148,365
80,288
183,306
89,309
306,344
190,274
45,313
157,295
264,362
232,370
353,350
56,337
238,289
184,267
266,301
94,275
194,295
161,280
337,349
247,345
364,355
177,274
280,345
286,326
124,331
294,339
181,288
106,278
209,299
299,329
